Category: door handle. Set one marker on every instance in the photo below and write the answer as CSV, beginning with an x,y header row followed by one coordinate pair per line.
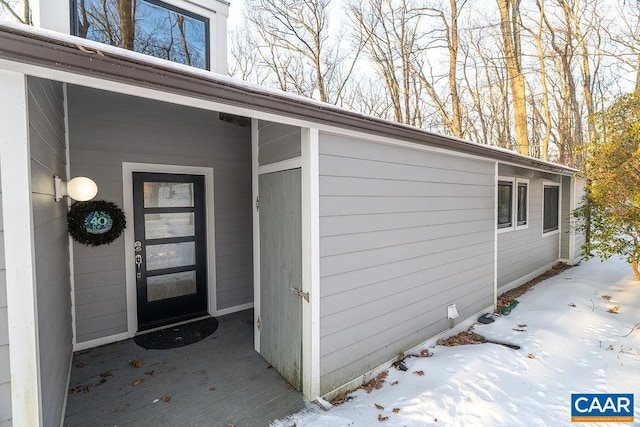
x,y
138,261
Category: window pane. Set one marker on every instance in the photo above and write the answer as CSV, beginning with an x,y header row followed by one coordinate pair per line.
x,y
169,34
505,194
164,225
522,204
168,194
551,198
171,255
171,285
149,27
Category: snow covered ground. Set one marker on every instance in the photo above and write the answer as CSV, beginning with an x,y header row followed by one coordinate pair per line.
x,y
570,343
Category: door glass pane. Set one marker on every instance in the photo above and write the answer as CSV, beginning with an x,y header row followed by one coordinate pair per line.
x,y
171,285
168,194
163,225
171,255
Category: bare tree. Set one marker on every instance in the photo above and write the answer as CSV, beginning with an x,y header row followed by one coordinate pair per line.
x,y
295,35
393,45
18,10
510,25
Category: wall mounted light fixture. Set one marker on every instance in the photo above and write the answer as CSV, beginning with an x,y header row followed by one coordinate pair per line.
x,y
79,188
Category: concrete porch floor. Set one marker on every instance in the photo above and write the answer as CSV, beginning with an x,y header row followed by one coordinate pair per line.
x,y
218,381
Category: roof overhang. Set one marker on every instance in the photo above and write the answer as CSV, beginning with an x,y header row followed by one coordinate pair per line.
x,y
83,57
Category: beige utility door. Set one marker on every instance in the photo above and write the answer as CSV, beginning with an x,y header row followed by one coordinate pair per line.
x,y
281,272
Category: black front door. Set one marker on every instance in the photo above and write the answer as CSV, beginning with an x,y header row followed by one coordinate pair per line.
x,y
170,248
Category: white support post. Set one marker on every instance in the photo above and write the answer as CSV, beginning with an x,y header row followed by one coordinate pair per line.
x,y
311,263
17,215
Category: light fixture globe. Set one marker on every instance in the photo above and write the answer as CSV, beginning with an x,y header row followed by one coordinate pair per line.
x,y
82,189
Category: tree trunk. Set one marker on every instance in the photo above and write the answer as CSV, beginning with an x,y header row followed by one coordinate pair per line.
x,y
510,26
127,22
636,272
456,119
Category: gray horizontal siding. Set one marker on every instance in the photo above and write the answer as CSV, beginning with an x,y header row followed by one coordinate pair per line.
x,y
277,142
521,252
108,129
403,234
5,369
47,142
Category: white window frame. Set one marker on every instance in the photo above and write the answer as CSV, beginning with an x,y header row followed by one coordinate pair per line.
x,y
520,181
557,230
513,197
515,182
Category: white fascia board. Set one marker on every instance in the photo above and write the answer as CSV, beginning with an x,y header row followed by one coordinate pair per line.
x,y
17,216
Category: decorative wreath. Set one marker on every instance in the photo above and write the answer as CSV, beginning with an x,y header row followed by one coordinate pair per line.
x,y
95,222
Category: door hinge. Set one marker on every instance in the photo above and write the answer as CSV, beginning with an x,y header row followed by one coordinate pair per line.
x,y
258,203
299,292
259,323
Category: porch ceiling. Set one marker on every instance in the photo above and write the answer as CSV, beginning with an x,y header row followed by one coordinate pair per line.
x,y
78,56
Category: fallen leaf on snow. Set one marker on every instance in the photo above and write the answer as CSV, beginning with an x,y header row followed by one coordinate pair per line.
x,y
396,410
571,305
150,373
102,380
165,399
607,297
375,383
610,347
519,330
75,390
106,374
381,408
136,363
137,382
212,389
530,356
381,418
425,353
394,383
419,373
614,310
81,365
524,325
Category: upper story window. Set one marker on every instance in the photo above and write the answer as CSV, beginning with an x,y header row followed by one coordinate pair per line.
x,y
146,26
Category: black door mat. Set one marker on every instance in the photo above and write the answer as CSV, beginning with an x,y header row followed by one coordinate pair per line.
x,y
177,336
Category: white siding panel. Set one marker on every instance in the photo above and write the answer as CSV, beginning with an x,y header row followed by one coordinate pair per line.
x,y
403,234
107,129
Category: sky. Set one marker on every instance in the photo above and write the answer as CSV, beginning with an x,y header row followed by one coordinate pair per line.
x,y
571,342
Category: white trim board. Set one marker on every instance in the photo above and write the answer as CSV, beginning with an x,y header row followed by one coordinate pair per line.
x,y
311,262
282,165
20,265
127,190
256,233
